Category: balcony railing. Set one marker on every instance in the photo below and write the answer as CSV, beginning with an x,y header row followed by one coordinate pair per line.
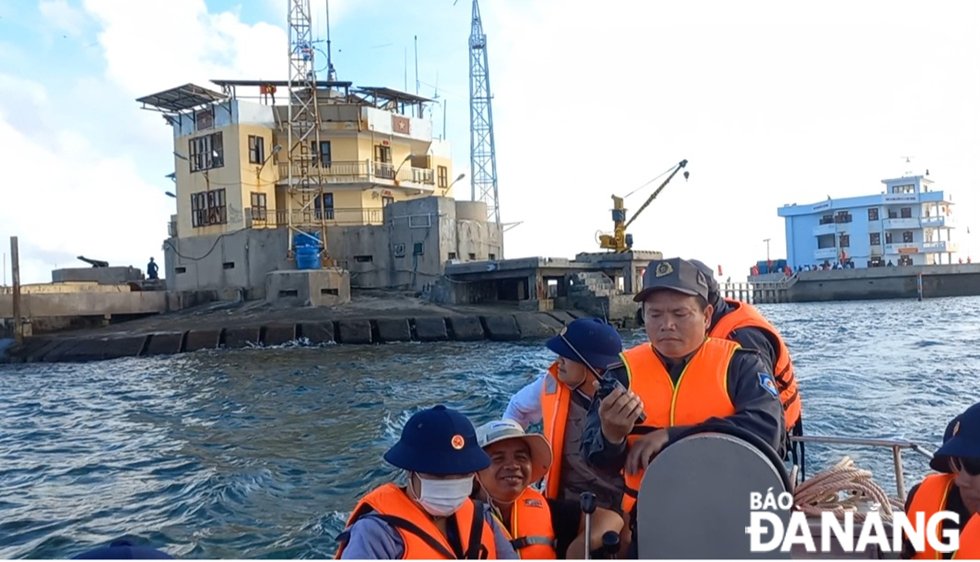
x,y
903,248
937,222
941,246
825,253
331,216
901,223
825,228
363,171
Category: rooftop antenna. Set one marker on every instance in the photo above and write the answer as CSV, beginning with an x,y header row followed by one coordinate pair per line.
x,y
908,160
331,74
416,65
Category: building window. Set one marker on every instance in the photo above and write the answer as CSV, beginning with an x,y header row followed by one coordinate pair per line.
x,y
842,217
382,154
876,239
208,207
206,152
873,214
906,212
907,236
443,176
888,238
259,208
845,240
825,241
256,149
324,207
892,214
418,249
322,155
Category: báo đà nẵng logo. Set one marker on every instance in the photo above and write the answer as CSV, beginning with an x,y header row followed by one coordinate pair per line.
x,y
767,532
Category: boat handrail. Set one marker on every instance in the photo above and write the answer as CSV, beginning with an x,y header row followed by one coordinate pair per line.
x,y
896,445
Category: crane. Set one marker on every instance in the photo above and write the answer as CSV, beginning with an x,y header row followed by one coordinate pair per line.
x,y
619,241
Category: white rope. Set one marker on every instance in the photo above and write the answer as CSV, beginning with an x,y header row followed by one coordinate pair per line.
x,y
842,488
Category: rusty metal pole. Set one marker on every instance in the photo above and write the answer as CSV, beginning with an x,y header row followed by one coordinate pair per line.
x,y
15,274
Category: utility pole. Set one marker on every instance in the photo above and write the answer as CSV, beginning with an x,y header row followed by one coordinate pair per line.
x,y
15,272
766,240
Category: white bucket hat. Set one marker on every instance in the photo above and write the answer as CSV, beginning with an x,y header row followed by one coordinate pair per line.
x,y
501,430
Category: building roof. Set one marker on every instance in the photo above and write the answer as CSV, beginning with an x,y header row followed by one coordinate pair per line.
x,y
180,98
393,94
281,83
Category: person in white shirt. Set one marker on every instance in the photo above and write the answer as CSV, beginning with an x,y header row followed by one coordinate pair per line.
x,y
560,398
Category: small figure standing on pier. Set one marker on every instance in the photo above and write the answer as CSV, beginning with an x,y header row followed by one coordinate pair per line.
x,y
152,270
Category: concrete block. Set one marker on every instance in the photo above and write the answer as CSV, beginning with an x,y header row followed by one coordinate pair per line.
x,y
393,330
548,320
575,314
429,328
165,343
466,328
278,334
125,346
562,316
317,332
531,326
501,328
60,350
34,349
202,339
354,331
308,287
242,336
87,349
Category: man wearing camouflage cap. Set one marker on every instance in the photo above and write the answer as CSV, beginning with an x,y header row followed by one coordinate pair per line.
x,y
722,382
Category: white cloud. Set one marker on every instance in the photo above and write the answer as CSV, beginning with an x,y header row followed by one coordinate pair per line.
x,y
64,18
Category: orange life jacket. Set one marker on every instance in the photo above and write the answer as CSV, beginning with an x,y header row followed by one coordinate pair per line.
x,y
419,534
701,393
969,540
745,315
930,497
531,528
555,398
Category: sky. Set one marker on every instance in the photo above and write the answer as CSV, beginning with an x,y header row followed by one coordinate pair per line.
x,y
770,102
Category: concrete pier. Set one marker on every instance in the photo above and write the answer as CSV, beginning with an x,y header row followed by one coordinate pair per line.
x,y
96,347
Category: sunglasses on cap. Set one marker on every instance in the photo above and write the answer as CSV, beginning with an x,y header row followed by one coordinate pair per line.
x,y
969,465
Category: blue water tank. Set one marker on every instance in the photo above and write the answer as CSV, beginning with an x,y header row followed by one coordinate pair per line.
x,y
307,257
307,239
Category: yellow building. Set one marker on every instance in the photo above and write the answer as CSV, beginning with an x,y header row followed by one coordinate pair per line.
x,y
231,162
238,183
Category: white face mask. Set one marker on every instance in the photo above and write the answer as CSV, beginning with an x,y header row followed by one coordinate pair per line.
x,y
441,498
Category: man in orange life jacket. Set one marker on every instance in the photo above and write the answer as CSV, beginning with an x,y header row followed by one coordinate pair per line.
x,y
678,379
433,516
560,398
955,487
541,528
743,323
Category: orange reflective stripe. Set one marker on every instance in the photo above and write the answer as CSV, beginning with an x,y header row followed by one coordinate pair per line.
x,y
930,497
701,392
392,500
555,398
745,315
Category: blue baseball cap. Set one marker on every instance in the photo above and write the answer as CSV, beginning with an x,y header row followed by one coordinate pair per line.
x,y
596,341
123,550
438,441
962,439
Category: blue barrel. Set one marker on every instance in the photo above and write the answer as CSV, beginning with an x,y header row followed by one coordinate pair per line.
x,y
307,239
307,257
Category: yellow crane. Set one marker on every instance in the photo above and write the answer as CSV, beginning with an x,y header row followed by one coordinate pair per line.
x,y
619,241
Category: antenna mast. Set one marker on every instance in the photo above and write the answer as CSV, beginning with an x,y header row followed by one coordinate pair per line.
x,y
305,182
331,74
483,159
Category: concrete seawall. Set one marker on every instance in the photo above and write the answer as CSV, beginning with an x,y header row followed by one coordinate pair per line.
x,y
495,327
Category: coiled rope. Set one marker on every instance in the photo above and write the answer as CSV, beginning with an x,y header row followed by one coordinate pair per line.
x,y
843,488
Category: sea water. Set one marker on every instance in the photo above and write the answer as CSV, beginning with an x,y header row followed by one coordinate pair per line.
x,y
263,452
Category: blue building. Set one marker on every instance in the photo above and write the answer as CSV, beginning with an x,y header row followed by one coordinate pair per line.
x,y
906,224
